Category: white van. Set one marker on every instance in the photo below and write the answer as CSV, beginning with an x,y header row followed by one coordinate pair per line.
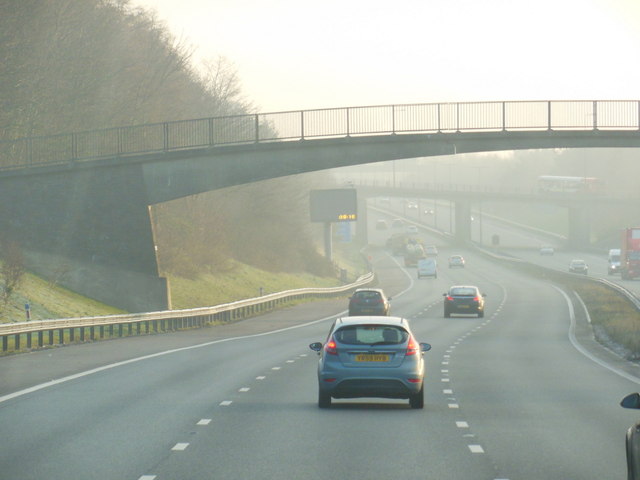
x,y
614,261
427,267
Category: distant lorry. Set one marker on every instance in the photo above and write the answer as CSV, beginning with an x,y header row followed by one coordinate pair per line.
x,y
413,253
630,253
614,261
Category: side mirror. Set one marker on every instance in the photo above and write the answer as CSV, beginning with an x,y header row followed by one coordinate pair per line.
x,y
631,401
444,294
316,346
389,298
425,347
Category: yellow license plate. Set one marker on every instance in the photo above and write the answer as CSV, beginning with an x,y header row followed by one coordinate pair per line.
x,y
371,358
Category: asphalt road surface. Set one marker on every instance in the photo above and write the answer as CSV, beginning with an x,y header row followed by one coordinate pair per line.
x,y
523,393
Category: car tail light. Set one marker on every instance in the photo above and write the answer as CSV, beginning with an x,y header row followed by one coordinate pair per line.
x,y
476,299
449,298
413,380
412,347
331,348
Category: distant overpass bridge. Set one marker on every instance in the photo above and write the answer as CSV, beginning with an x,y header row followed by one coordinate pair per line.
x,y
78,202
464,197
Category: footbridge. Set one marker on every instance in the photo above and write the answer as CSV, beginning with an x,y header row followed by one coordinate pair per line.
x,y
79,202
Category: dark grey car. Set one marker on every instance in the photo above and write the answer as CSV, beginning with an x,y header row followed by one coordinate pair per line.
x,y
463,299
371,357
633,439
369,301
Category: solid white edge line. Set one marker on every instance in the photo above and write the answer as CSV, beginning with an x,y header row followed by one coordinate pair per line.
x,y
581,349
86,373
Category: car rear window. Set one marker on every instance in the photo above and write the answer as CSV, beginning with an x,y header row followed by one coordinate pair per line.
x,y
463,291
367,295
371,335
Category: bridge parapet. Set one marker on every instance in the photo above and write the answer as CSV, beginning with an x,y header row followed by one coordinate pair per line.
x,y
499,116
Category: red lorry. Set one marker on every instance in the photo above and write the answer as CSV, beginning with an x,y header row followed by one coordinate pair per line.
x,y
630,253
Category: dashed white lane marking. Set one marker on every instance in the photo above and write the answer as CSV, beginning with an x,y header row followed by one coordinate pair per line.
x,y
462,425
204,421
445,363
276,368
147,477
51,383
290,361
447,391
244,389
303,355
226,403
444,371
261,377
179,447
454,405
476,448
445,380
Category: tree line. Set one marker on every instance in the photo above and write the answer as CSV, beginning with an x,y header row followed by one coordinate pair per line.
x,y
73,65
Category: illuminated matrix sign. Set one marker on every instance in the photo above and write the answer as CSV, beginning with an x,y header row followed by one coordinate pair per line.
x,y
337,205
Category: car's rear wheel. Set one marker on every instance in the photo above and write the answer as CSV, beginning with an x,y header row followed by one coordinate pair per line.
x,y
324,399
417,400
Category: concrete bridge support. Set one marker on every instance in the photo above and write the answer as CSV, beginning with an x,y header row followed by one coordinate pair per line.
x,y
89,230
462,230
579,227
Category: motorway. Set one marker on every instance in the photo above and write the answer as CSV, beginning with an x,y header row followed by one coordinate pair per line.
x,y
523,393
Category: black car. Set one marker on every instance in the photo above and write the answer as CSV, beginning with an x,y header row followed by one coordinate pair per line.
x,y
369,301
463,299
633,439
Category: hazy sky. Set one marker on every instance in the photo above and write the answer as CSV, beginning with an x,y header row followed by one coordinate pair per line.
x,y
299,54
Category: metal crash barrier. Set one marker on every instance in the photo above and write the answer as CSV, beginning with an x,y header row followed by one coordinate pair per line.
x,y
41,333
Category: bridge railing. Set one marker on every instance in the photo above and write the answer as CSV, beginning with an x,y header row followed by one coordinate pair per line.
x,y
39,333
322,123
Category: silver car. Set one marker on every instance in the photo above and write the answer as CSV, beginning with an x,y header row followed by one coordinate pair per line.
x,y
371,357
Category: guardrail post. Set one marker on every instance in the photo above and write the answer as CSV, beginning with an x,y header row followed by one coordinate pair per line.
x,y
548,115
5,343
16,342
257,122
29,152
119,147
348,126
74,147
504,116
50,337
211,141
40,339
595,115
301,124
165,136
61,336
393,119
439,129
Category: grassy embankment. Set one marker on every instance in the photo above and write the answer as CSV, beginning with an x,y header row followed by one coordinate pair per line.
x,y
49,301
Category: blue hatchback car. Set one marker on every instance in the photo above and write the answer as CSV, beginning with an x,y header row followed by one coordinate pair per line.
x,y
371,357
